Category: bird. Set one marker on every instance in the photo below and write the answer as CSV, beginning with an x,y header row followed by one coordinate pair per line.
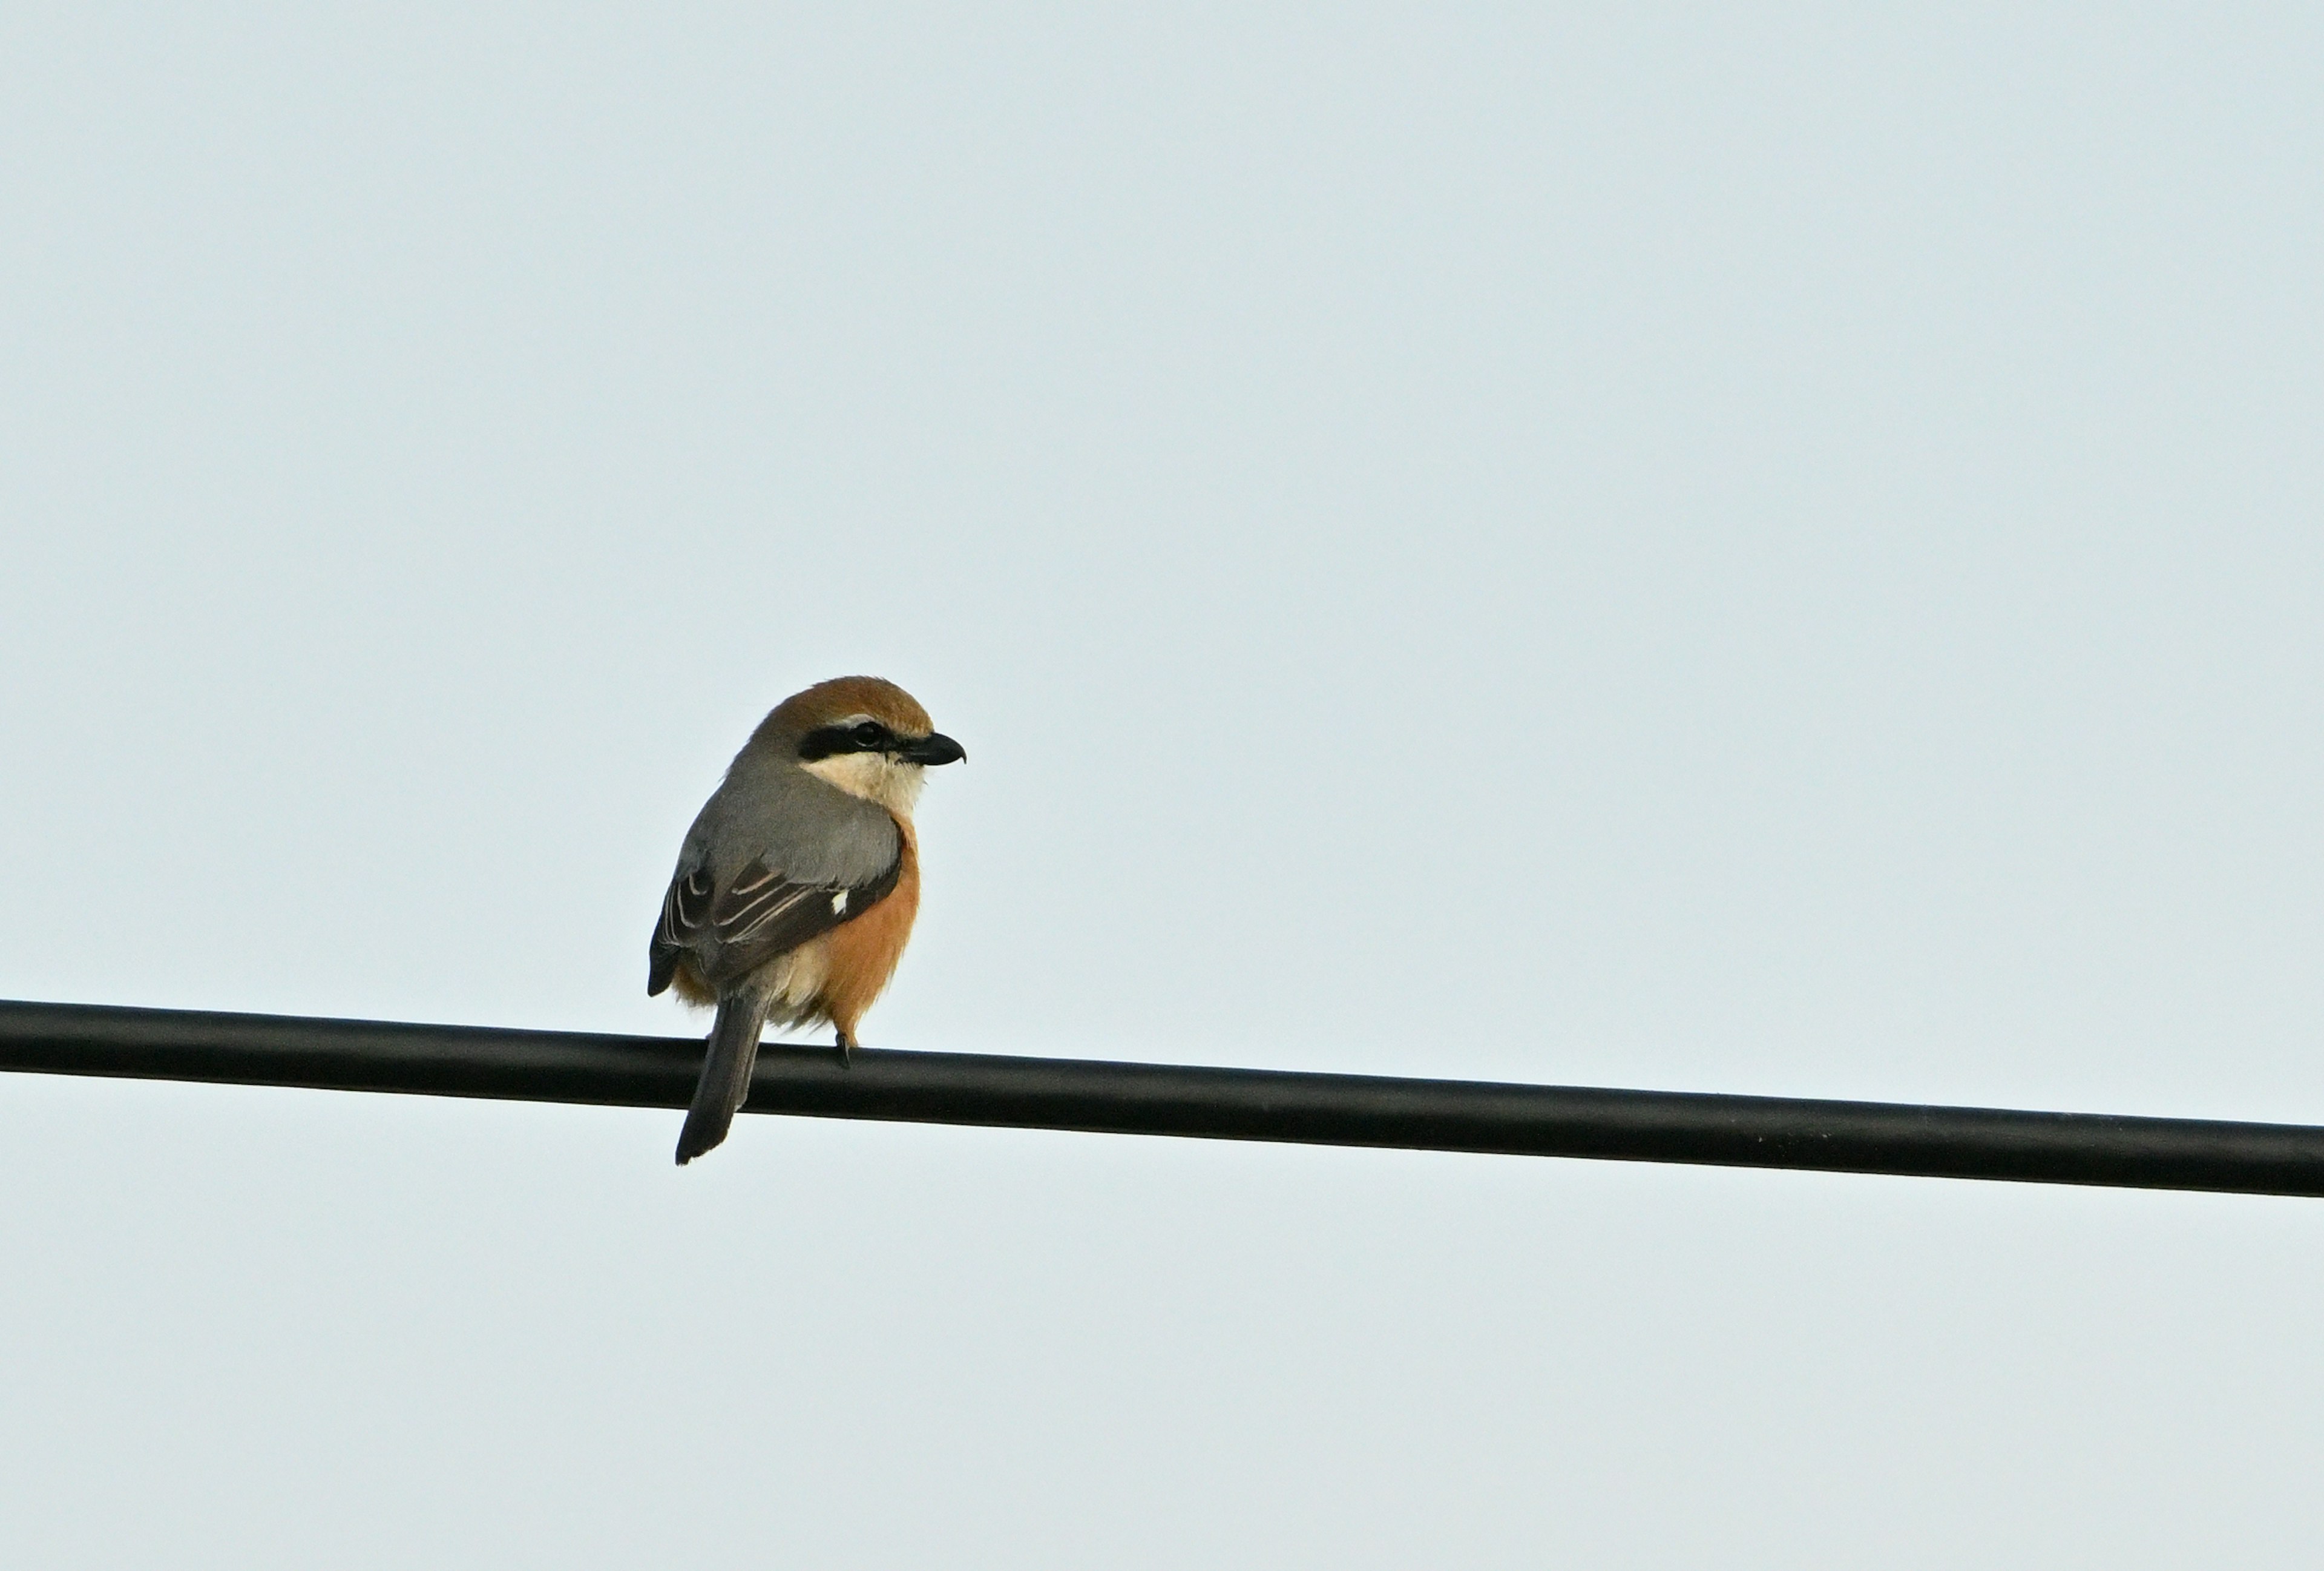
x,y
797,885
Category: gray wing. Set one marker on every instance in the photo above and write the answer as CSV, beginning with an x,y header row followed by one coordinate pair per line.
x,y
775,858
731,930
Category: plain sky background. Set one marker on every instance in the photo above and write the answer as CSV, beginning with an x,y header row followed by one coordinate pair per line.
x,y
1719,548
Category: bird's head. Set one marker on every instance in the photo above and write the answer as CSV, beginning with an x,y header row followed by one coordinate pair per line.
x,y
865,735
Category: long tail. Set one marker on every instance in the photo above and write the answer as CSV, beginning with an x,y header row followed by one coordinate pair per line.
x,y
725,1074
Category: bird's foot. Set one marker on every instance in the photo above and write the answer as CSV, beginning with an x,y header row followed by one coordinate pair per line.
x,y
846,1051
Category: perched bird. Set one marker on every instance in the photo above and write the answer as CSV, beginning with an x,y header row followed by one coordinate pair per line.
x,y
796,886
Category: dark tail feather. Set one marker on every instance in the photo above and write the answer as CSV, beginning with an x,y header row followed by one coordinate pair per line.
x,y
725,1074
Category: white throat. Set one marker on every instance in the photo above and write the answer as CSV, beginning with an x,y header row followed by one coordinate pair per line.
x,y
875,777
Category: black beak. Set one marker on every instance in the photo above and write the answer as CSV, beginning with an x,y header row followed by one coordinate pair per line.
x,y
936,747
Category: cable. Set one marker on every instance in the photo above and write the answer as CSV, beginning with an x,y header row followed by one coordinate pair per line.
x,y
1356,1110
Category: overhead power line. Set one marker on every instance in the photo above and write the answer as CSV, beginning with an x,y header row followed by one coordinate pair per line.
x,y
1020,1093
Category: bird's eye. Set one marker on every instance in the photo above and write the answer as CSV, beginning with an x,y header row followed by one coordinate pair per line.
x,y
870,734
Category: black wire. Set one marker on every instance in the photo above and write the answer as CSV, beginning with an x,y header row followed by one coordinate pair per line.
x,y
1360,1110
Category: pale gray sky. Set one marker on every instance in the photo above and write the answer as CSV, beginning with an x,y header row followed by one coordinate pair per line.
x,y
1705,548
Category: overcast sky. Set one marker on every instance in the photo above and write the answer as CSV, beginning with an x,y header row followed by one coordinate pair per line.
x,y
1712,547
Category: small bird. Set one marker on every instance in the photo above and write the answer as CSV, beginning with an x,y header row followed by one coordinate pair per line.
x,y
796,886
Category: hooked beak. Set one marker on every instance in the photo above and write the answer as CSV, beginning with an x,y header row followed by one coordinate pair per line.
x,y
934,748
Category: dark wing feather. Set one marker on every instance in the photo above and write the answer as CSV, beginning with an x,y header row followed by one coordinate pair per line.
x,y
685,918
733,931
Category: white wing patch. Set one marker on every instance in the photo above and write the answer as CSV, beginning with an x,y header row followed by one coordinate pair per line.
x,y
839,903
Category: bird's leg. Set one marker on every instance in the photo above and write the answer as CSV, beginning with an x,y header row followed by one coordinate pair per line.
x,y
846,1050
